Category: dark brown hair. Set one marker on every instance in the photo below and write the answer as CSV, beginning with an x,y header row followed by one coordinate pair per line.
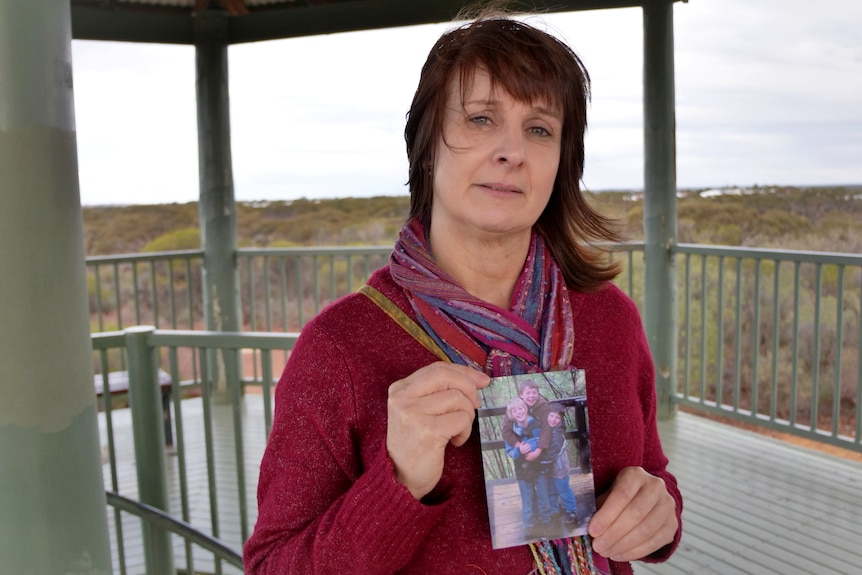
x,y
530,65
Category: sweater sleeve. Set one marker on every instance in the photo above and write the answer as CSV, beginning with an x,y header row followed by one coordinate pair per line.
x,y
654,460
327,502
621,398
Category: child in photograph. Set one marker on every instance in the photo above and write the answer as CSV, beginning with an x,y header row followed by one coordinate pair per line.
x,y
537,407
532,481
556,457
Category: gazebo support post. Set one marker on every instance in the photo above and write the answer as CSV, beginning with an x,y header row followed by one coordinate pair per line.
x,y
52,496
217,206
660,291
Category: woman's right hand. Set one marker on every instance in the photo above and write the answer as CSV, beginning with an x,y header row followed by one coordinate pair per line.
x,y
429,409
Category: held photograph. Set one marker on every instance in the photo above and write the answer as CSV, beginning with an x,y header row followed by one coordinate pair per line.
x,y
536,457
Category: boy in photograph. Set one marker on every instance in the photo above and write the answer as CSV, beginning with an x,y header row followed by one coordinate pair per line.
x,y
556,457
537,407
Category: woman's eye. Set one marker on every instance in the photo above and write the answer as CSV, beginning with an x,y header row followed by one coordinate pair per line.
x,y
540,131
480,120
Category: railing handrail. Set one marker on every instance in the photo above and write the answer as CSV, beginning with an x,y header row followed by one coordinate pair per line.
x,y
143,257
836,258
261,340
684,248
163,520
314,251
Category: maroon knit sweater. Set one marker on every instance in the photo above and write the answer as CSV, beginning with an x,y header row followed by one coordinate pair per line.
x,y
328,498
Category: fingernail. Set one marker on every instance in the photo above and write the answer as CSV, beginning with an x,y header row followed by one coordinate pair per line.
x,y
599,547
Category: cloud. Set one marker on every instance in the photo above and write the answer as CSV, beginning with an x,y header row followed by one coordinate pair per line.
x,y
766,92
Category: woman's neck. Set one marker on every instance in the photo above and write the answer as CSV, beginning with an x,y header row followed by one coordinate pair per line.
x,y
487,266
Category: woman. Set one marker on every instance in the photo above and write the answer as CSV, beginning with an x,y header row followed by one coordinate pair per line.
x,y
374,464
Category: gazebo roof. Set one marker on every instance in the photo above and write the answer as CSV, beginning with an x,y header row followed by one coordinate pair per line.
x,y
172,21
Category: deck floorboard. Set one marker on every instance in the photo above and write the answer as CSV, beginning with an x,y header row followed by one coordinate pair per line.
x,y
752,504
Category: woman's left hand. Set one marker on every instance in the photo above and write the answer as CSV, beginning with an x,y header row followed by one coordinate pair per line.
x,y
636,517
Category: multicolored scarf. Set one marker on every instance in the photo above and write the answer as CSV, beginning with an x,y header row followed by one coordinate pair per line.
x,y
535,335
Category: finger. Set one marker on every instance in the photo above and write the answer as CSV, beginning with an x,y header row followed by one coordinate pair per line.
x,y
441,376
465,422
438,403
645,538
613,503
646,522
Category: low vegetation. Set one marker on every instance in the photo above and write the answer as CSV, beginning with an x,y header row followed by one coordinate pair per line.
x,y
812,218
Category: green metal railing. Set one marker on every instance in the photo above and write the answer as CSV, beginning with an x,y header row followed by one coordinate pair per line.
x,y
164,521
773,338
202,478
769,337
161,289
282,288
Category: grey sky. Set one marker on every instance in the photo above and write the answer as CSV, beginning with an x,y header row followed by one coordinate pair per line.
x,y
767,92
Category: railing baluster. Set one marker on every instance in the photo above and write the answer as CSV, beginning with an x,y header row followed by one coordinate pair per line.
x,y
316,280
815,354
117,303
839,346
703,331
252,297
189,293
266,369
207,356
136,293
737,380
794,389
300,296
235,391
687,316
333,287
154,291
776,325
268,292
282,292
179,426
755,359
172,294
719,379
112,455
97,285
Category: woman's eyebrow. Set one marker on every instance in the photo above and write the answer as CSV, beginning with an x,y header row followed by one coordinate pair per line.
x,y
494,102
548,112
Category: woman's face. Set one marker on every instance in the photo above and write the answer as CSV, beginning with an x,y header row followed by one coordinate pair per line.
x,y
496,162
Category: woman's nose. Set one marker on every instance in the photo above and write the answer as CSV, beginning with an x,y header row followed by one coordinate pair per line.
x,y
510,148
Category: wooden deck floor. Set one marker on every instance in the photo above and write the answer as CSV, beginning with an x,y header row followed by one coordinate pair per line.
x,y
753,504
757,505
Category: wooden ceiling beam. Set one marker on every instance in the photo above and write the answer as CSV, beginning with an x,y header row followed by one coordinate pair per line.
x,y
131,23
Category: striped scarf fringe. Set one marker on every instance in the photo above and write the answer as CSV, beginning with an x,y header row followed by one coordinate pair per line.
x,y
573,555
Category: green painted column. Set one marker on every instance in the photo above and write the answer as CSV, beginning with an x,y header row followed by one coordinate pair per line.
x,y
53,517
145,403
217,205
660,308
